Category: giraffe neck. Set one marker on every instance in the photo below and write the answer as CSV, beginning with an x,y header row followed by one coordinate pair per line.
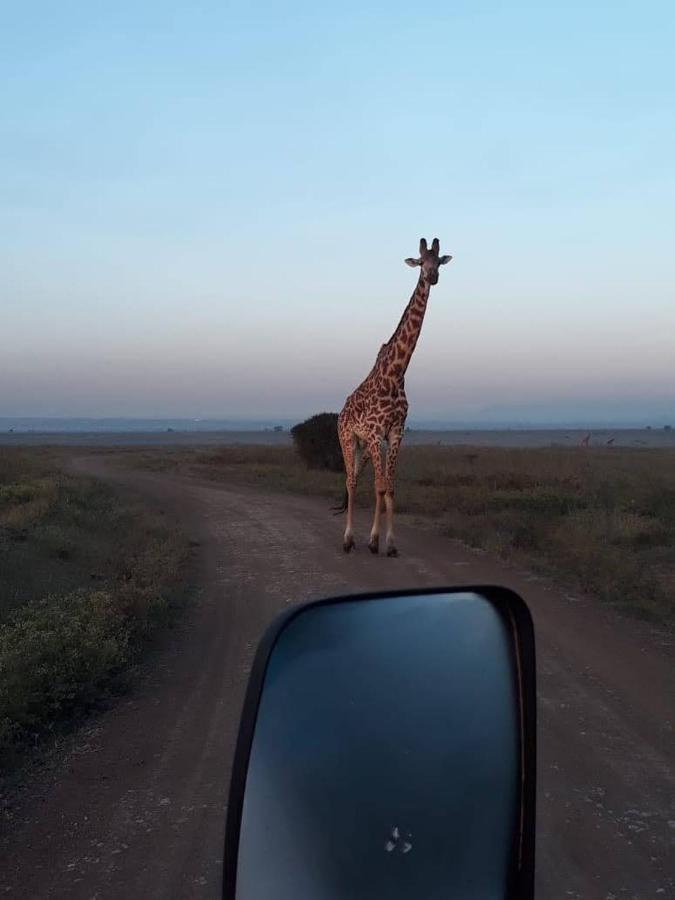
x,y
403,341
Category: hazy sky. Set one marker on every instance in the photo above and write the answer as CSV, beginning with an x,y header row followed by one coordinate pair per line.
x,y
204,207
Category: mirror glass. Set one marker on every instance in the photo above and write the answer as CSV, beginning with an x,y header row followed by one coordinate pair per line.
x,y
385,756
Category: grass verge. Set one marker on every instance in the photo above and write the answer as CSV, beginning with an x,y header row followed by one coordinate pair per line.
x,y
85,577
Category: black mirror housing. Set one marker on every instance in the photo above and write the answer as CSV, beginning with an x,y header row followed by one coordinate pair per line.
x,y
387,748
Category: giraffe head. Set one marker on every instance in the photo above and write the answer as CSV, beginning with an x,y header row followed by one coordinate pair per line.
x,y
429,260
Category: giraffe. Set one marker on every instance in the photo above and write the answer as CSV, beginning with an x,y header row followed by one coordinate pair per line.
x,y
377,409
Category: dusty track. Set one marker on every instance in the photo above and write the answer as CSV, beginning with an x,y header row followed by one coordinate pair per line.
x,y
136,809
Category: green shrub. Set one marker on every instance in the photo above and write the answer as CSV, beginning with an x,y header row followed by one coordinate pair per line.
x,y
85,577
316,442
55,654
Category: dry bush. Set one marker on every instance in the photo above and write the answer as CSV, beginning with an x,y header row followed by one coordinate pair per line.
x,y
316,442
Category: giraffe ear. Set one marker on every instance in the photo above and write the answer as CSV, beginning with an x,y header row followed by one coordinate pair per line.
x,y
413,262
443,260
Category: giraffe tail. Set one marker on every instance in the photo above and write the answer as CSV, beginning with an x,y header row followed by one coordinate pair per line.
x,y
337,510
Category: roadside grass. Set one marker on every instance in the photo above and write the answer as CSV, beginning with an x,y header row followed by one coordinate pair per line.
x,y
85,576
598,520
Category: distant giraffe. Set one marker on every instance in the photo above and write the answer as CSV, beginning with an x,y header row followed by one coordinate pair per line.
x,y
377,409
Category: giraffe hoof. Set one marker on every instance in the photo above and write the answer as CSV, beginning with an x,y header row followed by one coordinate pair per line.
x,y
392,551
348,545
374,545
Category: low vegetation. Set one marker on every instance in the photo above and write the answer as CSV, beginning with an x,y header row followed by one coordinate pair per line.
x,y
600,520
85,576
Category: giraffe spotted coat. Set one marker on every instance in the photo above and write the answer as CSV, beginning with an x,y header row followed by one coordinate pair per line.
x,y
376,411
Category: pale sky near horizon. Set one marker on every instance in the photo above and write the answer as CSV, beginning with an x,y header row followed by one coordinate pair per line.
x,y
204,208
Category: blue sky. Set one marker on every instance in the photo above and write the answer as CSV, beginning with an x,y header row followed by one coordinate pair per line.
x,y
204,208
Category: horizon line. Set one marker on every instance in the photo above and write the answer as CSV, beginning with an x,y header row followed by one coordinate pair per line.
x,y
432,423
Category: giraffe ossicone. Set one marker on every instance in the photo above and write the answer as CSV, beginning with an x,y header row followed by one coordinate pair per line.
x,y
376,411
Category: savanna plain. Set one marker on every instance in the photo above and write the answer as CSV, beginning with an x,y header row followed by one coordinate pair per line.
x,y
601,520
105,551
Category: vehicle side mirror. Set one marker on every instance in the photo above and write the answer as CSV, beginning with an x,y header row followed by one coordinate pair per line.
x,y
387,750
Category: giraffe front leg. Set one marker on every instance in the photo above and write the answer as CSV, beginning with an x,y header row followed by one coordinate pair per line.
x,y
374,540
394,441
376,456
348,541
389,503
348,445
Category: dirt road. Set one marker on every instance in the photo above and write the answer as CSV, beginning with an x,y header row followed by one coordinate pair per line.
x,y
136,809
